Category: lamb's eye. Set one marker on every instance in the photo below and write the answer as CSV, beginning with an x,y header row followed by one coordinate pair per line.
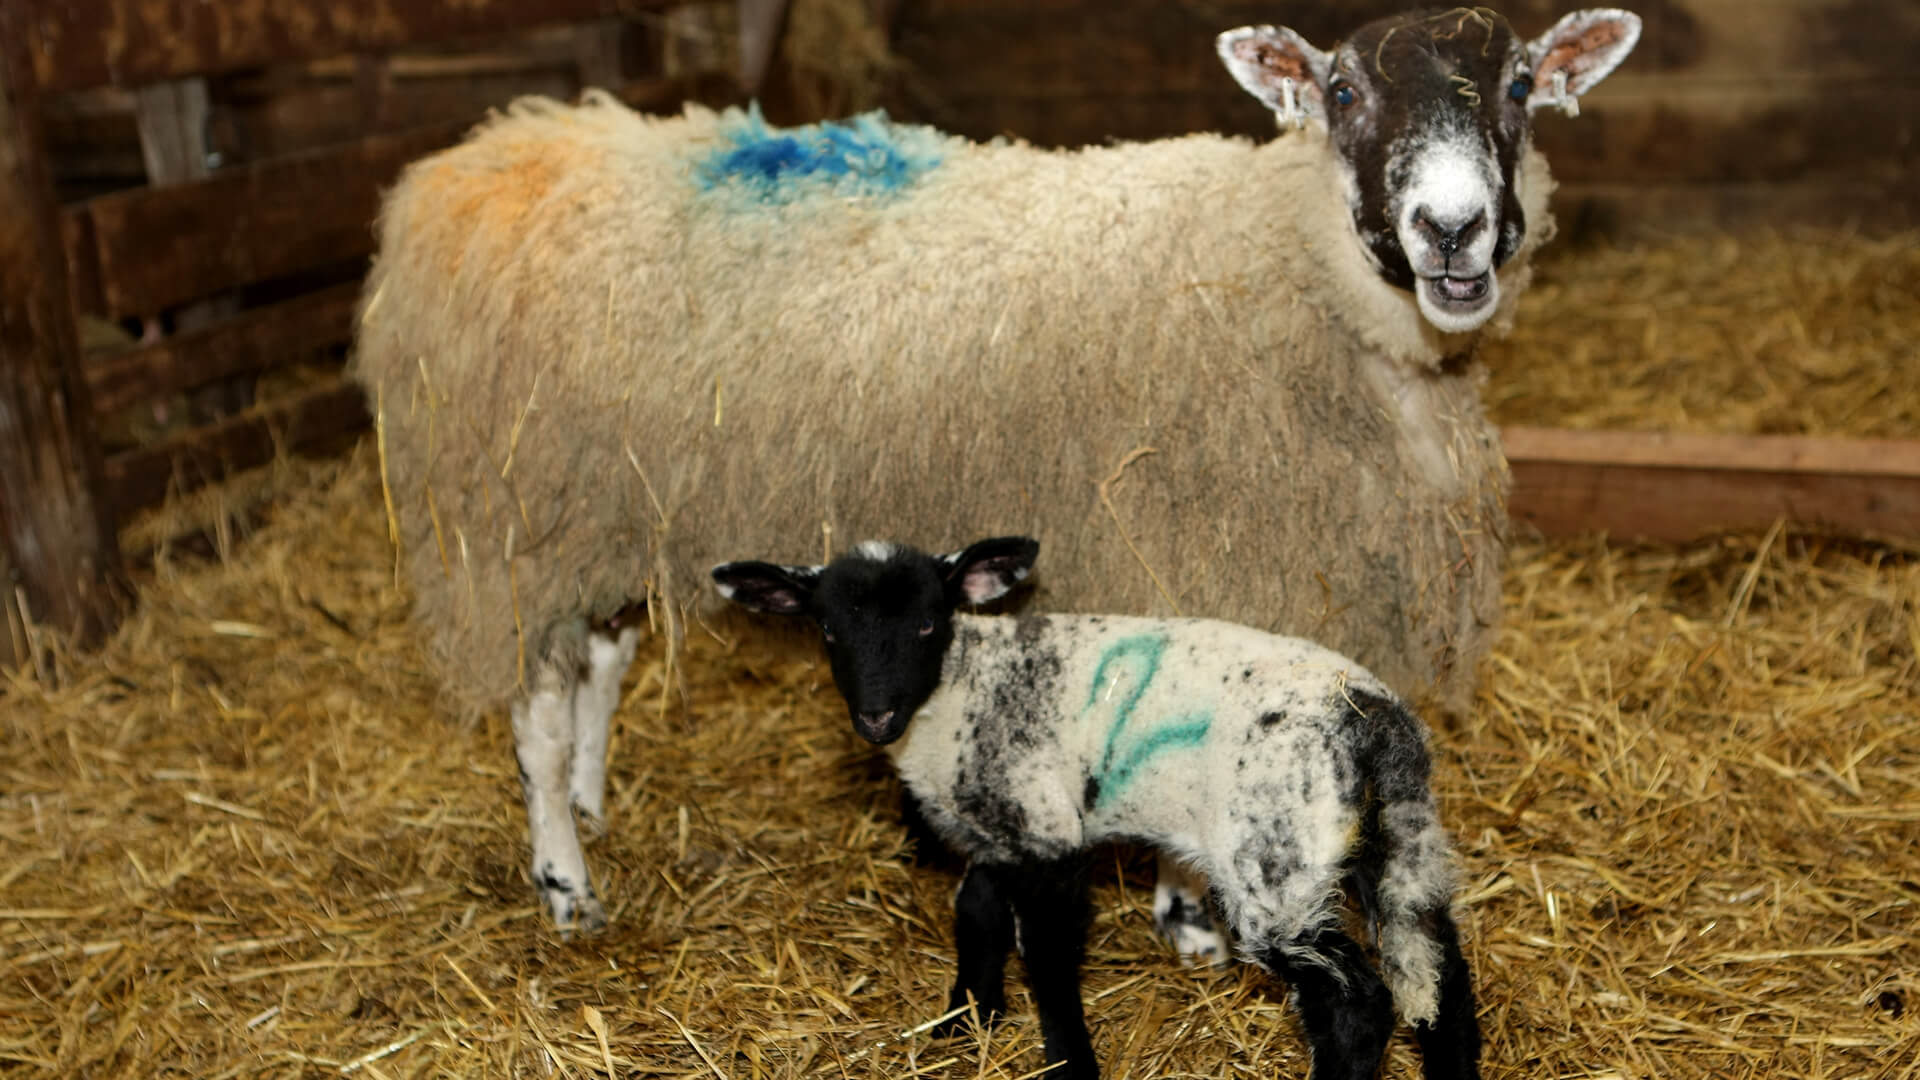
x,y
828,634
1522,86
1344,95
926,627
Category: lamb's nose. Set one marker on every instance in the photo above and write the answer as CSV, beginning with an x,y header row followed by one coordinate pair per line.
x,y
874,725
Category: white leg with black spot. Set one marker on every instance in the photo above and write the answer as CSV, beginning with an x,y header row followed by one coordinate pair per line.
x,y
594,702
1182,915
543,729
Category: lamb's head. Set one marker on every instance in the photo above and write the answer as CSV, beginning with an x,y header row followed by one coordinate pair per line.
x,y
885,612
1427,114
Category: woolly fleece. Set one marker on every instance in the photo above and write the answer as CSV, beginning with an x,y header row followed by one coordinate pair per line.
x,y
592,380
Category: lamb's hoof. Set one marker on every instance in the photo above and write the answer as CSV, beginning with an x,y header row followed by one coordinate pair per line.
x,y
962,1024
1198,947
1186,923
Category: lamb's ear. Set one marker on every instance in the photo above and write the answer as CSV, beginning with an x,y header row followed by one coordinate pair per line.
x,y
988,569
1277,66
1580,50
764,587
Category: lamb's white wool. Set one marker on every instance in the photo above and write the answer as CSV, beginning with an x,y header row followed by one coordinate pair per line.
x,y
1236,749
877,550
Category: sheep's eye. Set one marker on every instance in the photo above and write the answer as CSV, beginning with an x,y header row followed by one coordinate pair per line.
x,y
828,634
1344,95
1522,86
926,627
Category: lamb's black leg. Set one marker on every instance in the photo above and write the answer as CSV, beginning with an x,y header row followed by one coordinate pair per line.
x,y
983,934
1344,1007
1450,1046
1050,899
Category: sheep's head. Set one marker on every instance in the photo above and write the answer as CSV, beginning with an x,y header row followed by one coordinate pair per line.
x,y
885,612
1427,113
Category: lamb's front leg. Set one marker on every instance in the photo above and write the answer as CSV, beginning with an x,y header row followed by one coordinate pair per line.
x,y
594,701
983,935
1050,900
543,738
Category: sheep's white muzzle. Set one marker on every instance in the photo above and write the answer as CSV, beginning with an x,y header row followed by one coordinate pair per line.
x,y
1457,305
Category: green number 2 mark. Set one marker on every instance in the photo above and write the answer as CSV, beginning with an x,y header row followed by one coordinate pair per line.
x,y
1136,660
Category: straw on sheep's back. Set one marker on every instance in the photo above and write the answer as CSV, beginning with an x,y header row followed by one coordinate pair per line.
x,y
607,352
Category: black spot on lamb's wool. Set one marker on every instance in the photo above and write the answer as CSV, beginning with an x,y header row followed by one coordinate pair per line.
x,y
1269,719
1379,732
1090,793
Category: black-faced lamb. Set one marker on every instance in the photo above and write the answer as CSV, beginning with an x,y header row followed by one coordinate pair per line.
x,y
1283,771
600,349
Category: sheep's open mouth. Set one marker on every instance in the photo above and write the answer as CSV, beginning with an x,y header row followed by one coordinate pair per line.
x,y
1459,295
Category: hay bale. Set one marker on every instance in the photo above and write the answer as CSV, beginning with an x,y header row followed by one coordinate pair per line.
x,y
598,368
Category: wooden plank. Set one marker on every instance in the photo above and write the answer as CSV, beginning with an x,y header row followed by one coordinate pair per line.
x,y
76,44
253,341
160,247
1676,487
57,539
143,477
1083,46
1627,210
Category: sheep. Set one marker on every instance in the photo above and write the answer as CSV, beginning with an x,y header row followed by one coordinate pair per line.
x,y
1282,770
1245,374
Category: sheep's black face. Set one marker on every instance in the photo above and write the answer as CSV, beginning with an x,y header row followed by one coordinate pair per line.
x,y
1423,112
886,615
1427,113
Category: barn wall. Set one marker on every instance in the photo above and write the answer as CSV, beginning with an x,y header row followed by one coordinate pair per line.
x,y
1730,111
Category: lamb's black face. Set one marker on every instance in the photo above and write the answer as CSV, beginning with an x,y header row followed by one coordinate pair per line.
x,y
1427,116
885,613
887,623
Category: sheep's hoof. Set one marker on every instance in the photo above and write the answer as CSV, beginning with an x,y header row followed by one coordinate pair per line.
x,y
588,823
583,915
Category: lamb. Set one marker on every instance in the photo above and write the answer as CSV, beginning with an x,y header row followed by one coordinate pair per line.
x,y
1282,770
1245,371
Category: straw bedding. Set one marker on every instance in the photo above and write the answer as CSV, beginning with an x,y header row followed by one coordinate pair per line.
x,y
245,839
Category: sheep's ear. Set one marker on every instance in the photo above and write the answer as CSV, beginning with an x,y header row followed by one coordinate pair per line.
x,y
989,569
1277,66
1580,50
766,588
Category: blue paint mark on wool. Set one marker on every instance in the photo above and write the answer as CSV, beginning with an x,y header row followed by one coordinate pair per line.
x,y
865,155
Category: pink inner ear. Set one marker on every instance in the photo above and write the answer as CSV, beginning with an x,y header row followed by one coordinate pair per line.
x,y
1579,53
1278,62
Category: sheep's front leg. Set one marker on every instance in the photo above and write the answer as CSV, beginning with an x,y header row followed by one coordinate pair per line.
x,y
543,737
1183,916
594,701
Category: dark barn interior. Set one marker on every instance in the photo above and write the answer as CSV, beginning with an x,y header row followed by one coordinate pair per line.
x,y
245,836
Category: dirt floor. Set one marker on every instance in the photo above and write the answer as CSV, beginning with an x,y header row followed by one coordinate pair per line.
x,y
244,839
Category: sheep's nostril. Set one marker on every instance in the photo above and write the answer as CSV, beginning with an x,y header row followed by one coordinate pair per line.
x,y
873,725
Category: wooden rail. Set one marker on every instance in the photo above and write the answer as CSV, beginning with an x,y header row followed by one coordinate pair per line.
x,y
240,226
78,44
1676,487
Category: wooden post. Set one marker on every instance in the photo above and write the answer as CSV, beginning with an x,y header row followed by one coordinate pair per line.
x,y
58,548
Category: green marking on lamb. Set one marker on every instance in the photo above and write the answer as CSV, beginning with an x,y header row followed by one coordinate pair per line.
x,y
1124,757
